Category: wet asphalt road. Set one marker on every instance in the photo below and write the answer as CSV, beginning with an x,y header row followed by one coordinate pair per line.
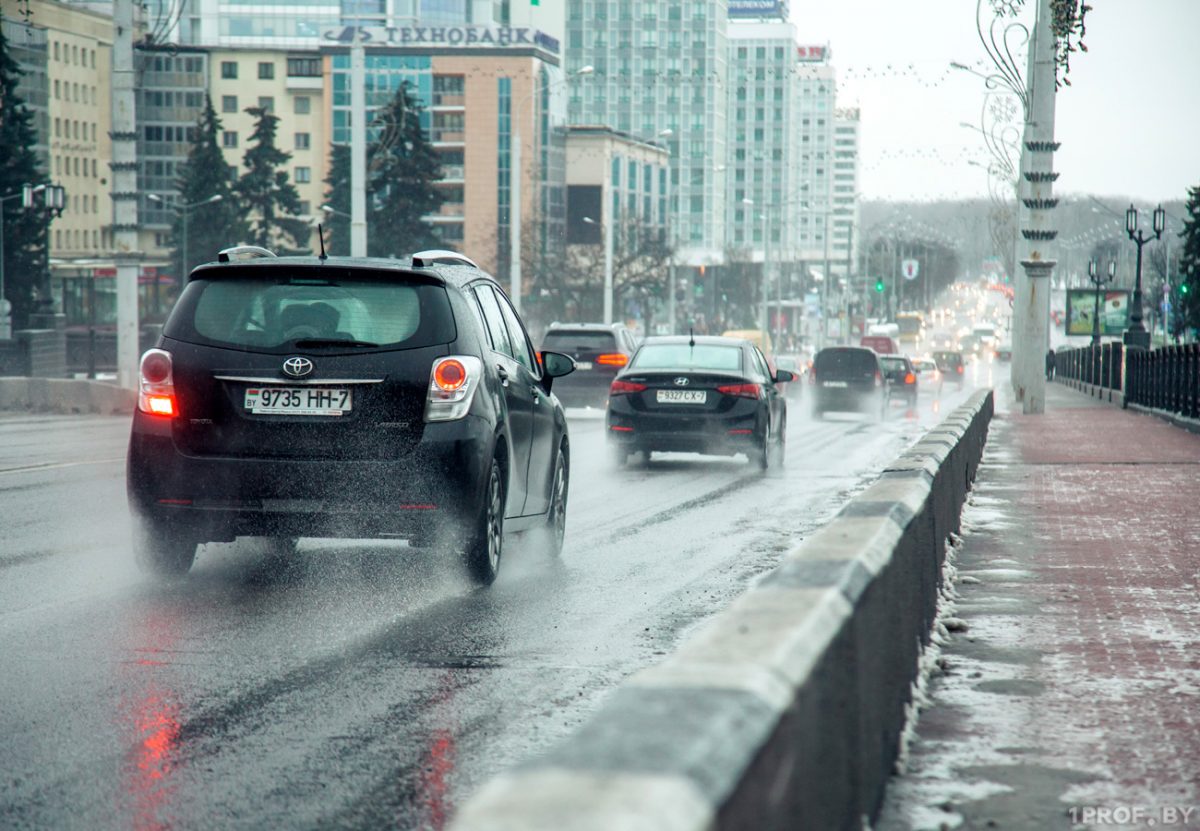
x,y
371,685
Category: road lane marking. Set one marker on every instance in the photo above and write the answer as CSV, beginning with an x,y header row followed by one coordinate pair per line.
x,y
57,465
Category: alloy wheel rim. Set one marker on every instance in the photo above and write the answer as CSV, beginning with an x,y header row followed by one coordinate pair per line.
x,y
493,521
560,500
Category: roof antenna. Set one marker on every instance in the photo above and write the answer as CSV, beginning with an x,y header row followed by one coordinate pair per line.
x,y
321,234
691,337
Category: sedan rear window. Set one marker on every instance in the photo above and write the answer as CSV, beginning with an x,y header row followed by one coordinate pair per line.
x,y
278,313
682,356
563,340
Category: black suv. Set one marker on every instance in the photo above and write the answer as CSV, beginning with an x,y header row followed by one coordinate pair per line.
x,y
849,379
600,352
952,366
340,397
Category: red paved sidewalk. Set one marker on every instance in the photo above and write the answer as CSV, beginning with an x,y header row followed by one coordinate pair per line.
x,y
1072,700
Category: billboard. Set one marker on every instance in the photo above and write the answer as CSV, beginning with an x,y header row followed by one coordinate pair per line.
x,y
1081,308
758,8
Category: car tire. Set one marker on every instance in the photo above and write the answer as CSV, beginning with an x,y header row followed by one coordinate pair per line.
x,y
619,455
762,453
556,516
781,444
487,540
163,553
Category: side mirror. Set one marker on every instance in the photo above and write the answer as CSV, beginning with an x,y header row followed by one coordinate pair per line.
x,y
555,365
783,376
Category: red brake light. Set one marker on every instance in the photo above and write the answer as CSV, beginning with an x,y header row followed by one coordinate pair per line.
x,y
741,390
959,369
910,378
612,359
449,375
156,367
156,387
878,379
163,405
625,387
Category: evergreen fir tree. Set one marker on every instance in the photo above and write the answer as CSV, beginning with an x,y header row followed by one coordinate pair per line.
x,y
337,196
267,193
25,235
404,167
1189,262
211,226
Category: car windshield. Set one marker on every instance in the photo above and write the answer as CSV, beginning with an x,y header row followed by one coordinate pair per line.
x,y
683,356
272,314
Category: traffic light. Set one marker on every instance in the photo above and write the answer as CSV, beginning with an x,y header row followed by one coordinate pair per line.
x,y
879,285
1184,288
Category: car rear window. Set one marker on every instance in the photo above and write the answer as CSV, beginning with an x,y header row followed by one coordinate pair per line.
x,y
847,362
892,364
253,312
565,340
682,356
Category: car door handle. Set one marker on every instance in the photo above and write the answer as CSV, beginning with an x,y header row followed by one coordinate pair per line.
x,y
503,373
536,393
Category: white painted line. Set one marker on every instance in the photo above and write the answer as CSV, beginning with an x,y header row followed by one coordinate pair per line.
x,y
57,466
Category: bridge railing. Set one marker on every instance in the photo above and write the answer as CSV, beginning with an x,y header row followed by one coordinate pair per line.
x,y
1167,378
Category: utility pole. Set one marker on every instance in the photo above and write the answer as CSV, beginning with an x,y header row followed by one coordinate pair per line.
x,y
358,145
1037,172
125,193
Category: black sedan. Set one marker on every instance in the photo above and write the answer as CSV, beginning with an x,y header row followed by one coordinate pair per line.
x,y
901,376
338,397
711,395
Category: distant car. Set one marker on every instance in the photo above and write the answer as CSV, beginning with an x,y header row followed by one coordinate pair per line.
x,y
306,396
882,344
929,377
901,376
1003,352
707,394
848,379
952,366
599,350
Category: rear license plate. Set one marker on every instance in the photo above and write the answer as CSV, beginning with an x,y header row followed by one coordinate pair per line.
x,y
835,384
301,401
681,396
583,364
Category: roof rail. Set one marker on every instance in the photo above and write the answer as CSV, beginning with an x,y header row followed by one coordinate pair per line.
x,y
227,254
441,256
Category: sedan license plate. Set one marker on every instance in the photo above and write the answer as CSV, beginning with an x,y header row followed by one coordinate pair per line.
x,y
583,364
301,401
680,396
835,384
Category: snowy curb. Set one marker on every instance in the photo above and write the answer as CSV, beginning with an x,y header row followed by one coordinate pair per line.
x,y
787,709
65,396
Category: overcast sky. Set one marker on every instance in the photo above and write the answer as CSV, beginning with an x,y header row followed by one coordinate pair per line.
x,y
1129,123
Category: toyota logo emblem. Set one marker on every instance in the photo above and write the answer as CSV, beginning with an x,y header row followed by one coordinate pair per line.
x,y
682,382
297,367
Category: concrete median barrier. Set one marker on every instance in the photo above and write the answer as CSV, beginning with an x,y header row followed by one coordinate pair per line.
x,y
64,396
786,709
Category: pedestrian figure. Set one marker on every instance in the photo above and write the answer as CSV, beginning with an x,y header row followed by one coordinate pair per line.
x,y
1050,365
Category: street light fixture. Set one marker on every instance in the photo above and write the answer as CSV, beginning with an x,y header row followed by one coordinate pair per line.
x,y
1099,280
1136,334
184,208
514,213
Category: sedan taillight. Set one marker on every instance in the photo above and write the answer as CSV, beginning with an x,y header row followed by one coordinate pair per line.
x,y
625,387
742,390
156,386
612,359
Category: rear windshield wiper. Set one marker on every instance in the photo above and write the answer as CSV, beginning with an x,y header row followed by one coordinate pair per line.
x,y
309,342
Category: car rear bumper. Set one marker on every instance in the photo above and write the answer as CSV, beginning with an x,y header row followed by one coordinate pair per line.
x,y
710,433
213,498
846,400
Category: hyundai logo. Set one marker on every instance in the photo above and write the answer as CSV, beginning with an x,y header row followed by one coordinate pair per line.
x,y
682,382
297,367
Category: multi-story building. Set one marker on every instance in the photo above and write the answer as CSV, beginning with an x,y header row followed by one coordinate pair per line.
x,y
845,192
661,65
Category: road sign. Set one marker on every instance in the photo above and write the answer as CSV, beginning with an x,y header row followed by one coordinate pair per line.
x,y
910,269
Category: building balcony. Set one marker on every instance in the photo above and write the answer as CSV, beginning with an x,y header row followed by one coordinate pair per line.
x,y
441,137
305,82
446,101
452,173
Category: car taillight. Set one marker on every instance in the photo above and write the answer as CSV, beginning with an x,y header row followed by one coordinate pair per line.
x,y
910,378
959,369
741,390
612,359
625,387
156,386
452,384
878,379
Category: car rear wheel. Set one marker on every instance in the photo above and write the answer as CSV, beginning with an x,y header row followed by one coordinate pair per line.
x,y
556,518
164,553
619,455
484,548
762,454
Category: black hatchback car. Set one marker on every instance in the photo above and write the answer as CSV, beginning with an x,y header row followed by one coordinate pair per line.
x,y
848,379
600,352
952,365
339,397
712,395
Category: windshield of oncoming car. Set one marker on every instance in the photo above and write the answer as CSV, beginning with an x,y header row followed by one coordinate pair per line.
x,y
258,313
682,356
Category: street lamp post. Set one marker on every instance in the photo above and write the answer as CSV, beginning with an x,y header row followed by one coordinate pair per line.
x,y
514,213
1099,280
1136,334
5,306
184,209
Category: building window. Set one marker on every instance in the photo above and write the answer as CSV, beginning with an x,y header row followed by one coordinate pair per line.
x,y
229,70
303,175
302,67
303,141
229,104
267,102
302,105
229,138
266,71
